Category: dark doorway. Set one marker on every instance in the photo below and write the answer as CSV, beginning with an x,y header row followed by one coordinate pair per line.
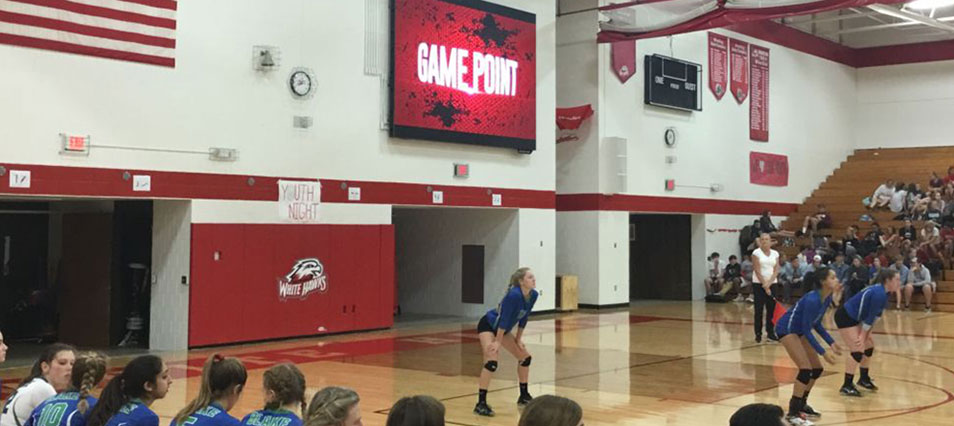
x,y
660,257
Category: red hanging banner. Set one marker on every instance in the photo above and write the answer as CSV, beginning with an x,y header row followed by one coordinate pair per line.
x,y
569,121
738,61
624,59
718,46
768,169
759,104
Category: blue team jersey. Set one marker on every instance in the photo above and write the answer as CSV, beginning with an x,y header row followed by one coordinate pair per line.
x,y
805,316
513,310
134,413
210,415
60,410
866,306
272,418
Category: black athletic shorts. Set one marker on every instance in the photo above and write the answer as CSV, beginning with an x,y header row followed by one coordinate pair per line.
x,y
484,325
843,320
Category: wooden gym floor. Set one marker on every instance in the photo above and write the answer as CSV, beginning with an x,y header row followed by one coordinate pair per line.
x,y
656,363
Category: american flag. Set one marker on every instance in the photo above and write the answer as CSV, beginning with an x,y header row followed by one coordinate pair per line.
x,y
129,30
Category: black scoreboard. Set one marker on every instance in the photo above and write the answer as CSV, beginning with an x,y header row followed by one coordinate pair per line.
x,y
672,83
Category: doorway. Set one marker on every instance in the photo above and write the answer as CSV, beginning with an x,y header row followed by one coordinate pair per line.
x,y
660,257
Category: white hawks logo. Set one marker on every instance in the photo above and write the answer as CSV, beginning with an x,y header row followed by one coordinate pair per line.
x,y
306,277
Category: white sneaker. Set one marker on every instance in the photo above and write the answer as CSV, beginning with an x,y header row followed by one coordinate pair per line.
x,y
750,299
798,421
740,299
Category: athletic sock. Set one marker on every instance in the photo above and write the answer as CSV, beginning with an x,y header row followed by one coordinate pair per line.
x,y
482,396
849,379
523,390
864,374
795,406
805,397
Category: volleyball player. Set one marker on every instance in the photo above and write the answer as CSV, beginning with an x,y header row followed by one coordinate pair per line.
x,y
494,331
126,399
795,328
284,396
223,380
855,319
70,408
51,373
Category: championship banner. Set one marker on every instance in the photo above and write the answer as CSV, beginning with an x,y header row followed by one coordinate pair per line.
x,y
569,121
759,104
738,61
718,47
623,55
298,201
768,169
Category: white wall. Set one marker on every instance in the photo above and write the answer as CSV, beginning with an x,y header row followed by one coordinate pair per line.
x,y
169,310
594,246
537,250
905,105
811,115
214,98
428,257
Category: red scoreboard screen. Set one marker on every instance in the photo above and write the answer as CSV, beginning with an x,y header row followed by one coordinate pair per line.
x,y
463,71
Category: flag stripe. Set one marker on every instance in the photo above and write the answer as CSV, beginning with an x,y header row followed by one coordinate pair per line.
x,y
16,18
126,6
103,12
85,50
162,4
79,18
73,38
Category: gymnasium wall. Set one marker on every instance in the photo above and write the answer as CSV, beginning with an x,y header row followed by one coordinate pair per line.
x,y
213,97
905,105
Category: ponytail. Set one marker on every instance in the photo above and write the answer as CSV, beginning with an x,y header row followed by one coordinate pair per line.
x,y
219,376
288,384
124,387
515,278
88,371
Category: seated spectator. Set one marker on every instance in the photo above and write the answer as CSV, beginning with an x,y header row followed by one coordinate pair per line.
x,y
746,286
816,263
947,215
850,243
823,248
947,253
748,236
872,240
551,410
908,232
933,212
950,175
891,242
909,256
791,278
877,255
840,267
759,415
767,227
936,181
882,196
917,200
820,220
423,410
732,277
919,278
929,235
334,406
898,265
874,269
857,278
716,267
930,257
898,199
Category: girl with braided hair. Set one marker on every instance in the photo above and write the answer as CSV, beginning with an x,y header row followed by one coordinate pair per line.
x,y
70,408
223,380
126,399
334,406
284,395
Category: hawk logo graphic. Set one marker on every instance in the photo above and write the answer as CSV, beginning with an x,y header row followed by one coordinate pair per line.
x,y
306,277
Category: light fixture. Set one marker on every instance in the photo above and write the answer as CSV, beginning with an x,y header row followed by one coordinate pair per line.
x,y
929,4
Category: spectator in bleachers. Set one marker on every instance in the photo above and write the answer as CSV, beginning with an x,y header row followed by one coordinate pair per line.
x,y
898,199
877,255
749,236
947,251
732,277
759,415
950,175
820,220
874,270
882,196
716,267
891,242
840,267
929,235
792,276
909,256
936,181
857,278
872,240
908,232
898,265
933,212
745,291
816,263
917,200
767,227
850,243
929,256
919,278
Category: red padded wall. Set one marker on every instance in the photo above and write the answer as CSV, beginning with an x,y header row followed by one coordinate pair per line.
x,y
236,299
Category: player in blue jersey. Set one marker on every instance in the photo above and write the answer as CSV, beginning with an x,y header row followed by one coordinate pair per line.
x,y
855,320
794,330
494,331
284,387
223,380
70,407
126,399
334,406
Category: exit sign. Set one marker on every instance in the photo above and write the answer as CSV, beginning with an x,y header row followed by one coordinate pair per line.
x,y
74,144
670,184
461,170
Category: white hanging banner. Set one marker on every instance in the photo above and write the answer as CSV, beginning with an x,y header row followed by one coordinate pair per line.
x,y
299,201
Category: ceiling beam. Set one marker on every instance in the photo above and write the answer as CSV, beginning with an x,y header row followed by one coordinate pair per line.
x,y
912,17
879,27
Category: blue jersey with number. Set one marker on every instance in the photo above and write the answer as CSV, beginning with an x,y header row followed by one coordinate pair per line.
x,y
272,418
210,415
60,410
134,413
806,316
